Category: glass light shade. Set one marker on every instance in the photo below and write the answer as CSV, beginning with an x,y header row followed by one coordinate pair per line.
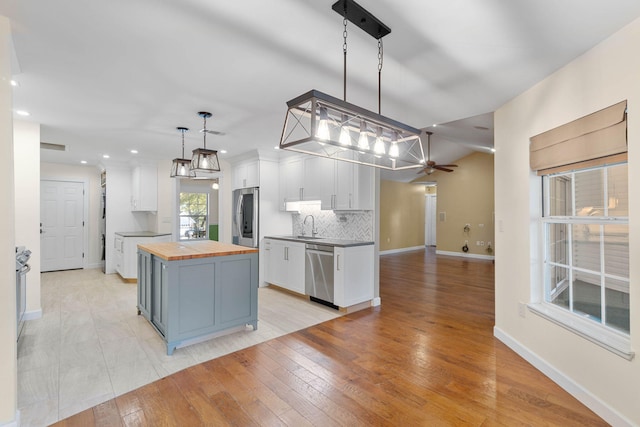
x,y
181,168
345,136
323,125
378,147
205,160
393,150
301,133
363,140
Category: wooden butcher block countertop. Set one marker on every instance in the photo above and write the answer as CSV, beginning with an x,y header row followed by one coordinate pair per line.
x,y
175,251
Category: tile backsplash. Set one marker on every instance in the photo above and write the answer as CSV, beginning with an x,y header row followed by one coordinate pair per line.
x,y
353,225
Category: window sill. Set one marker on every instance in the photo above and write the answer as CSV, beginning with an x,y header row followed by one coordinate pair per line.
x,y
604,337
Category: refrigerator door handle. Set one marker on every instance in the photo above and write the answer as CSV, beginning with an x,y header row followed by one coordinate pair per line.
x,y
238,215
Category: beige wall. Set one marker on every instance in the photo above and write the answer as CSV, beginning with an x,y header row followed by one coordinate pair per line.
x,y
601,77
466,197
401,215
8,359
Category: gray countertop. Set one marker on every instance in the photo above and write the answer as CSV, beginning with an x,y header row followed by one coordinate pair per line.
x,y
343,243
140,234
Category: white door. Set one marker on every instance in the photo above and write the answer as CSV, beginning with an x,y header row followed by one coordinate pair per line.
x,y
430,220
62,224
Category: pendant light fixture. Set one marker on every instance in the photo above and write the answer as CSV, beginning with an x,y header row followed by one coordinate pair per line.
x,y
204,160
321,125
181,168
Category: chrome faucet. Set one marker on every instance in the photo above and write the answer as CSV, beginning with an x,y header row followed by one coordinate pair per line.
x,y
313,225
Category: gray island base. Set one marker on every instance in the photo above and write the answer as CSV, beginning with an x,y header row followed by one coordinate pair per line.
x,y
190,291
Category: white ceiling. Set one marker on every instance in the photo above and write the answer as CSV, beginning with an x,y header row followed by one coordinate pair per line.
x,y
106,77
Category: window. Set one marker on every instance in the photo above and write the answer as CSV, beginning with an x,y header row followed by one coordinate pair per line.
x,y
586,243
194,215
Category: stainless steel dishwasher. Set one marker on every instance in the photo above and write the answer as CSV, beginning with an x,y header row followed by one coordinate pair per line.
x,y
319,273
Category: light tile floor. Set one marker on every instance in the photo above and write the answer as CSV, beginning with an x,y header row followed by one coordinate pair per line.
x,y
90,345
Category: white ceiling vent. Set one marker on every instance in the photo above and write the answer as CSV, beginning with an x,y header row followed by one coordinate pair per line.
x,y
55,147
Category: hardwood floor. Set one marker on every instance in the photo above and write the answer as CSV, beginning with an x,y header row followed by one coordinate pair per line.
x,y
426,356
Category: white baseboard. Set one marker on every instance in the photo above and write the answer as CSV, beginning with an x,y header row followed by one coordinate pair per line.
x,y
33,314
395,251
375,302
95,265
601,408
465,255
15,422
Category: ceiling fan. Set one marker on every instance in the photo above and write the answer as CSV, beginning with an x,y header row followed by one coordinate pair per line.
x,y
431,166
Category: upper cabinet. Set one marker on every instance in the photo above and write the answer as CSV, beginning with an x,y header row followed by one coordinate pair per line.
x,y
338,185
144,192
246,174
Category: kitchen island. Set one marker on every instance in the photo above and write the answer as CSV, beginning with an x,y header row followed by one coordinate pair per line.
x,y
190,291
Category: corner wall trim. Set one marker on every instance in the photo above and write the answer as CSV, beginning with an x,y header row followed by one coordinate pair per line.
x,y
463,255
395,251
601,408
375,302
33,314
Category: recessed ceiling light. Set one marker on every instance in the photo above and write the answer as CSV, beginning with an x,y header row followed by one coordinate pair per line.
x,y
223,151
493,150
84,162
14,83
277,147
22,113
435,125
134,151
105,156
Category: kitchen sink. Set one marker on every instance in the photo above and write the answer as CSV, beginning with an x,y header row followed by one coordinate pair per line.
x,y
308,237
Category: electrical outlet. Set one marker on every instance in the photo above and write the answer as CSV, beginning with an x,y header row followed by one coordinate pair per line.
x,y
477,242
522,309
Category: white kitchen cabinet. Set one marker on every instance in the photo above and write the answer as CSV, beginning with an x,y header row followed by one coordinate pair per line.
x,y
291,181
246,174
126,250
144,191
338,185
284,264
353,275
319,180
354,187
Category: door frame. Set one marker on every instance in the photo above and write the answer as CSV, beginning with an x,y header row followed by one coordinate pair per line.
x,y
85,212
430,220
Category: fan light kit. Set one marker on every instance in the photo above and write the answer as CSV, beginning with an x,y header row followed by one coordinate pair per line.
x,y
321,125
431,166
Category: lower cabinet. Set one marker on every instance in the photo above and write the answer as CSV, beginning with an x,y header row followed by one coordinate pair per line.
x,y
144,284
191,299
284,264
126,249
352,275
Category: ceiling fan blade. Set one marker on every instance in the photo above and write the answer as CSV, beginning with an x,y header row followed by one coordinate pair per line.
x,y
448,166
213,132
442,168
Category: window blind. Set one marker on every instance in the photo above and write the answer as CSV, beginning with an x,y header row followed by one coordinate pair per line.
x,y
596,139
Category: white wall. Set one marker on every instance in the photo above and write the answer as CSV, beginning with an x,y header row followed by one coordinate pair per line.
x,y
90,175
8,348
607,74
26,147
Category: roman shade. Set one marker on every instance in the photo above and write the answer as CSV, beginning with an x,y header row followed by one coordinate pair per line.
x,y
597,139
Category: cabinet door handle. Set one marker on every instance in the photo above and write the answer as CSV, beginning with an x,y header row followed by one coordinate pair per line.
x,y
286,253
338,262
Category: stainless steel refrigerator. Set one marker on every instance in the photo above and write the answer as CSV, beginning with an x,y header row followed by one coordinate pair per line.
x,y
246,208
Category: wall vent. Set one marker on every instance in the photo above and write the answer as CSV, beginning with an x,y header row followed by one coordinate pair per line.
x,y
55,147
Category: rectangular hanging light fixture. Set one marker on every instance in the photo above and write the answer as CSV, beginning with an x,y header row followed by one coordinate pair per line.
x,y
321,125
